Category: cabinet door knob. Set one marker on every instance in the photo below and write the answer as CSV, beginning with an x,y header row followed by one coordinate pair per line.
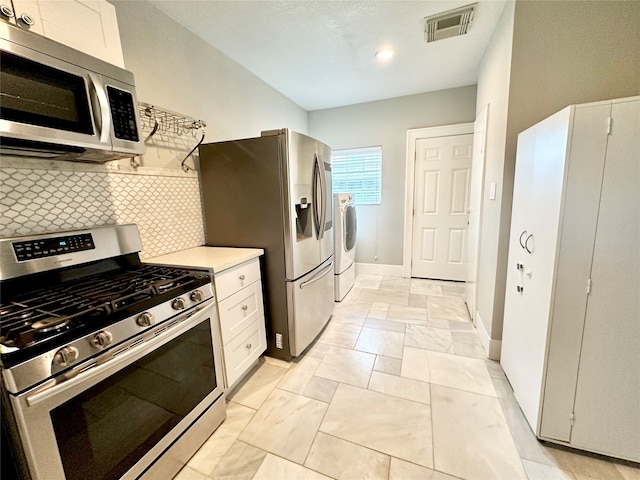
x,y
25,21
248,345
6,11
241,277
244,307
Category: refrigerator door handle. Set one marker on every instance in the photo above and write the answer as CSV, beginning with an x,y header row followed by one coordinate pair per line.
x,y
316,202
323,184
318,276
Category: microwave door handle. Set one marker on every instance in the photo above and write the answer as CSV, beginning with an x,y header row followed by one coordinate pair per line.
x,y
103,103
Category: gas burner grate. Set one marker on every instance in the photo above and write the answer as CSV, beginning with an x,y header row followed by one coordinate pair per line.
x,y
47,311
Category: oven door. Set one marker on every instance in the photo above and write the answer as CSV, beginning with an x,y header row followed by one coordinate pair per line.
x,y
115,419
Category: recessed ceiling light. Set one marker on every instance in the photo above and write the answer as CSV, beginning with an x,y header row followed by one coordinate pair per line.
x,y
385,54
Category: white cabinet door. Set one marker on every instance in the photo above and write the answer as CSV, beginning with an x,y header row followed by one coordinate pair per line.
x,y
607,398
441,200
90,26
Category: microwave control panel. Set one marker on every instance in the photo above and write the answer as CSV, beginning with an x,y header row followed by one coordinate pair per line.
x,y
123,113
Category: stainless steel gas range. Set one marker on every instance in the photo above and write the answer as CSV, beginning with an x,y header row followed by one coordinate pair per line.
x,y
110,367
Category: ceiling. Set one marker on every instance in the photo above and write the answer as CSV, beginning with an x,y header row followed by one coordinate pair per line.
x,y
321,53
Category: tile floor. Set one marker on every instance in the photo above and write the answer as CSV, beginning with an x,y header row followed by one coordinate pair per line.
x,y
396,387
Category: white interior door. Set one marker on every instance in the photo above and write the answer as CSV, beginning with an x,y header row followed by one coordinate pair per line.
x,y
441,200
475,208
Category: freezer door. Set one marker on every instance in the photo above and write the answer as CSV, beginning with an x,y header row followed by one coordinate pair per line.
x,y
310,303
303,214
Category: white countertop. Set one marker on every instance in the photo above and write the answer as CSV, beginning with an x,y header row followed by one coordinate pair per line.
x,y
218,258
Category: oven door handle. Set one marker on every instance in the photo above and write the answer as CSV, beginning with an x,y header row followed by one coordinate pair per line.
x,y
93,367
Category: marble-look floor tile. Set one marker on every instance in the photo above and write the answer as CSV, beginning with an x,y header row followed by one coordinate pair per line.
x,y
347,366
352,294
320,389
276,362
380,342
401,428
276,468
447,308
468,350
341,335
471,438
257,386
400,387
538,471
401,470
364,280
318,349
387,365
397,284
415,364
378,310
407,314
344,460
468,337
628,472
285,425
425,287
391,297
388,325
298,376
351,311
189,474
464,373
583,465
418,301
461,325
241,463
440,323
421,336
219,443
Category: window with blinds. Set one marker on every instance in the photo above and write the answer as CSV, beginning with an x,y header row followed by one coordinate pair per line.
x,y
359,172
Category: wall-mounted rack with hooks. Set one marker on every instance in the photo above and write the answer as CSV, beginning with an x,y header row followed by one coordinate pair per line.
x,y
157,120
165,122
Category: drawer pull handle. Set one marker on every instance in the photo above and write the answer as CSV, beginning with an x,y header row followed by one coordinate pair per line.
x,y
248,345
244,307
241,277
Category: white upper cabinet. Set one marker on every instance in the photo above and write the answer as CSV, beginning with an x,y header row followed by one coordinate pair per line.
x,y
90,26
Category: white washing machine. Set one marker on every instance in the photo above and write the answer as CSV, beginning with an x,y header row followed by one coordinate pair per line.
x,y
344,215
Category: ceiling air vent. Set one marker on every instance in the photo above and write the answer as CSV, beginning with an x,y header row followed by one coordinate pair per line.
x,y
448,24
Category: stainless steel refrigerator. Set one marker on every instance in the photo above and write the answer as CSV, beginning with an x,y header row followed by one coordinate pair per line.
x,y
274,192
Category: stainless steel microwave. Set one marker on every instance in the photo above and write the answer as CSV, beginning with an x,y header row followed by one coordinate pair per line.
x,y
59,103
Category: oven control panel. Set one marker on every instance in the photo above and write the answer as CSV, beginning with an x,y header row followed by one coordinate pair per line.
x,y
49,247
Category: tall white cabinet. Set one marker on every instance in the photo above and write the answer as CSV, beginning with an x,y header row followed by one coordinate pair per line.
x,y
571,335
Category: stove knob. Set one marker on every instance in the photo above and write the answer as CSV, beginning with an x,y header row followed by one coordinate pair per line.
x,y
101,339
196,296
145,319
178,304
65,356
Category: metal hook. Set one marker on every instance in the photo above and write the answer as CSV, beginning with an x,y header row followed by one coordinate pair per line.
x,y
183,166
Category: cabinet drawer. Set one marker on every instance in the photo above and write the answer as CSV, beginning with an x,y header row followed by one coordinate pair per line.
x,y
243,350
239,310
233,279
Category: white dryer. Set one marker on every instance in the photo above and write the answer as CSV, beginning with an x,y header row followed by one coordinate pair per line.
x,y
345,244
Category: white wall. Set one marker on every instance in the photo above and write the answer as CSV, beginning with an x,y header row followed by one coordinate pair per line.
x,y
561,53
177,70
385,123
493,89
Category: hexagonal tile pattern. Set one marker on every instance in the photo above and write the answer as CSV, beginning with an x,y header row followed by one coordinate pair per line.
x,y
167,209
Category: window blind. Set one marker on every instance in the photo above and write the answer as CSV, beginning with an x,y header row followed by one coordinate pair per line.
x,y
359,172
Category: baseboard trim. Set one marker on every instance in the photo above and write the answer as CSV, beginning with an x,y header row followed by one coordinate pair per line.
x,y
491,347
377,269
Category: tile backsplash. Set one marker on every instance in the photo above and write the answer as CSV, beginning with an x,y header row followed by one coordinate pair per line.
x,y
166,207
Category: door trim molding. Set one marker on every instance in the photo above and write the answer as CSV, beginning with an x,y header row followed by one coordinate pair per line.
x,y
413,135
